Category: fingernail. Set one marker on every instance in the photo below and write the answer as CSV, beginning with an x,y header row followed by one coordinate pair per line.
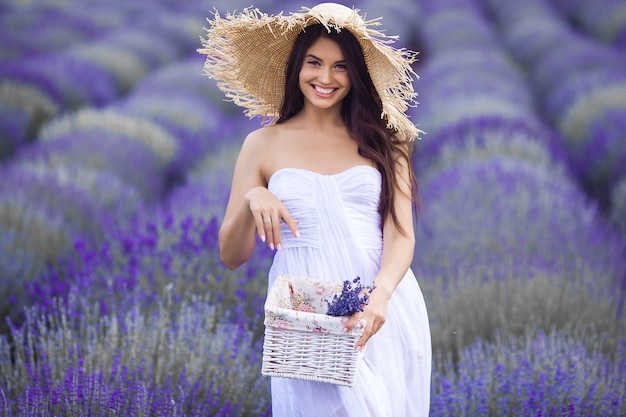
x,y
358,348
262,238
344,320
271,246
345,330
279,246
297,233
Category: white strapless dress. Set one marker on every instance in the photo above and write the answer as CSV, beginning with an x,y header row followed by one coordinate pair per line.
x,y
340,239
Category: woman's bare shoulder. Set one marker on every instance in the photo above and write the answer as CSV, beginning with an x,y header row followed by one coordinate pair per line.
x,y
259,149
257,140
263,136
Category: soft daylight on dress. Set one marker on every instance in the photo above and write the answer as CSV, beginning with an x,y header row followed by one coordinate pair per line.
x,y
341,239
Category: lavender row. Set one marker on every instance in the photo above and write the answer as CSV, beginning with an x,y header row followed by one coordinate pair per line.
x,y
37,88
546,374
472,93
98,172
604,20
174,249
580,86
59,25
502,237
488,162
181,359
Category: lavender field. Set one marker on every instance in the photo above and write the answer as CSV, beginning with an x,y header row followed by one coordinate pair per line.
x,y
116,155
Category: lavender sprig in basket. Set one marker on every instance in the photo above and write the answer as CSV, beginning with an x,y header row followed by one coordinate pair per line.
x,y
304,335
353,298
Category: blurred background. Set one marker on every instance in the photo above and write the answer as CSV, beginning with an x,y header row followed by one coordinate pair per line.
x,y
115,162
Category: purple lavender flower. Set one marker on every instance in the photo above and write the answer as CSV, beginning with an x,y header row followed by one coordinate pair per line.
x,y
353,298
537,374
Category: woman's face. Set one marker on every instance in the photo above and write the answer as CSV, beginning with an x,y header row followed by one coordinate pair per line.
x,y
324,77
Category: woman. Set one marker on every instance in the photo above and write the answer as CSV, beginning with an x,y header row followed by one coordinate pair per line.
x,y
329,186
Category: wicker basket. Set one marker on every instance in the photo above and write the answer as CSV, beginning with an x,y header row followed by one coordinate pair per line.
x,y
300,340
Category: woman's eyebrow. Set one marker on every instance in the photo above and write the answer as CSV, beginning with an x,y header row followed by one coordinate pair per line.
x,y
341,61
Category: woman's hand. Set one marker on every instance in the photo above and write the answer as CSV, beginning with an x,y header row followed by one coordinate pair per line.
x,y
268,211
374,314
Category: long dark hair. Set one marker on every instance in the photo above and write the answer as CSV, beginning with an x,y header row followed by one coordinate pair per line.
x,y
360,111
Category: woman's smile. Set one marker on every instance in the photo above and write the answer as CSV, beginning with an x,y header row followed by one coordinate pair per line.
x,y
324,91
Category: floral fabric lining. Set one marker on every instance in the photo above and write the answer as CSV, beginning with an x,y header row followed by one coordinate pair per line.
x,y
298,303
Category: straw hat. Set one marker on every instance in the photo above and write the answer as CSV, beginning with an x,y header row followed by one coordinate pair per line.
x,y
248,53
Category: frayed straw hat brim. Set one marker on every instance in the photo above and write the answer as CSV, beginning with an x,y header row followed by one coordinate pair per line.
x,y
247,54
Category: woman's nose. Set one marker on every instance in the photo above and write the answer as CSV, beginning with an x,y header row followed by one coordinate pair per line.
x,y
325,75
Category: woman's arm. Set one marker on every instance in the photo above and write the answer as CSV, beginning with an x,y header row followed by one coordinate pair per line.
x,y
396,259
251,207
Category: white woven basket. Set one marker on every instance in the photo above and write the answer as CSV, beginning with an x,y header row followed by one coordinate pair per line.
x,y
301,341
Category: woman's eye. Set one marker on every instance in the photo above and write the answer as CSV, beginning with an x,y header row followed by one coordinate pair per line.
x,y
313,62
341,67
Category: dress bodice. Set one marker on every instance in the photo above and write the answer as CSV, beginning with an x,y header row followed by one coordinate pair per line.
x,y
329,206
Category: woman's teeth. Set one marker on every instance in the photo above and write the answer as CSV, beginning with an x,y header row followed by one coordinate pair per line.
x,y
324,90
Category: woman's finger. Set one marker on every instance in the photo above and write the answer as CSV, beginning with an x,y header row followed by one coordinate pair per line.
x,y
269,225
260,226
291,223
354,320
368,332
